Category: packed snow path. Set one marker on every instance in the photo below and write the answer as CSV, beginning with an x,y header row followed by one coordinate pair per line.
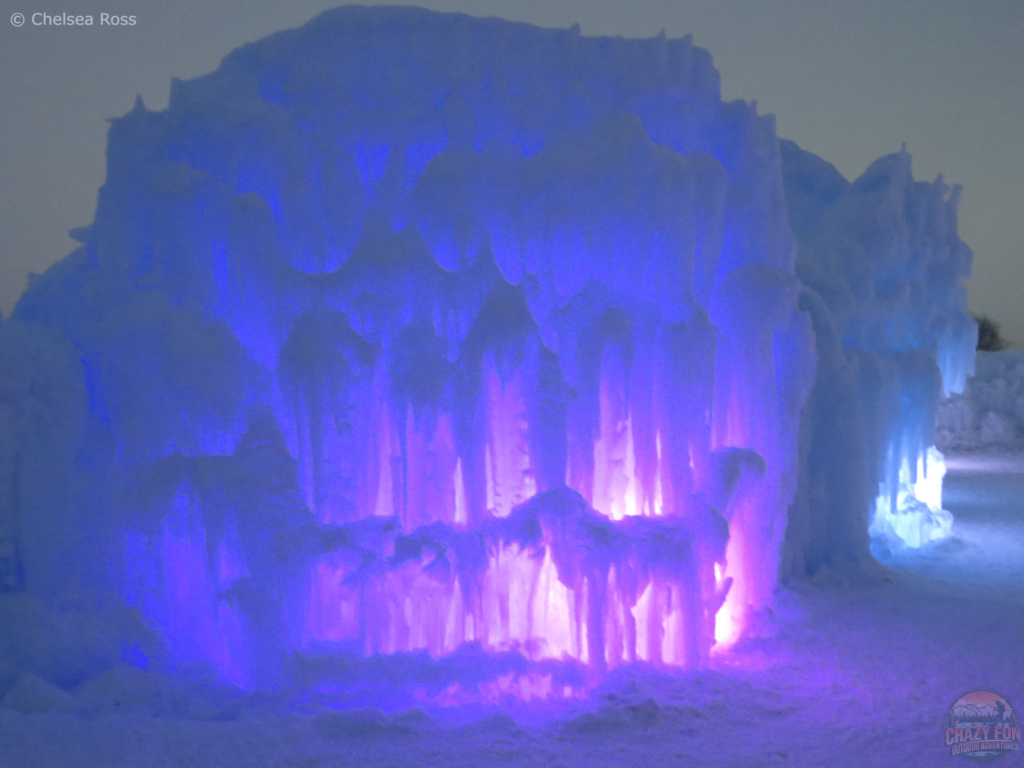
x,y
859,673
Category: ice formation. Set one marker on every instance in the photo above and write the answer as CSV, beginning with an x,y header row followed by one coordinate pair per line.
x,y
989,414
883,270
408,331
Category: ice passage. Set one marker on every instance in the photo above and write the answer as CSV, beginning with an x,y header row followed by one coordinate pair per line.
x,y
410,331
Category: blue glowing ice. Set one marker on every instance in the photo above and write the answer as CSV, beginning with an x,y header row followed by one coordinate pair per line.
x,y
416,331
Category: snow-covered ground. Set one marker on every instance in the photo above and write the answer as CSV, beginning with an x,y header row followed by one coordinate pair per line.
x,y
858,672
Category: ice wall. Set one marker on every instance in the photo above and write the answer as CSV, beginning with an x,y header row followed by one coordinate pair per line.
x,y
989,414
407,330
883,270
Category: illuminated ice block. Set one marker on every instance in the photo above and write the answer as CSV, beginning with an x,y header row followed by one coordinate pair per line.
x,y
405,331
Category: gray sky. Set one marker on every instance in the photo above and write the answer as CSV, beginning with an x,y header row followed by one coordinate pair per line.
x,y
849,80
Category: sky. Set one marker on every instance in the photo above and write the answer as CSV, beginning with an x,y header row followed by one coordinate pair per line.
x,y
849,80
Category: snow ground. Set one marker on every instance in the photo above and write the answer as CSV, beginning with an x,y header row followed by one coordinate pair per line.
x,y
859,672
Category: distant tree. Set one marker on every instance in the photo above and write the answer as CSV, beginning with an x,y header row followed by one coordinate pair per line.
x,y
990,339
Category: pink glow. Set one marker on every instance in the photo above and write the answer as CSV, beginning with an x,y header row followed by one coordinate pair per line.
x,y
510,479
520,687
470,549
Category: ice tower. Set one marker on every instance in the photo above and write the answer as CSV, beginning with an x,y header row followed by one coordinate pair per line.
x,y
883,270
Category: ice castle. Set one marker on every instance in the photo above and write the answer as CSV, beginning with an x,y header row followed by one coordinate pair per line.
x,y
407,331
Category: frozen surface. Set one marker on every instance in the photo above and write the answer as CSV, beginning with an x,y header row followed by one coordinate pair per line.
x,y
859,672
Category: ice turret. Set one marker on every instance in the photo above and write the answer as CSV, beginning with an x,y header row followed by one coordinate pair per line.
x,y
884,270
